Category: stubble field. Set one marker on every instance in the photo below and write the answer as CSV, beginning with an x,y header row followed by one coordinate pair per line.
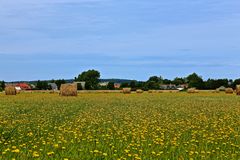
x,y
117,126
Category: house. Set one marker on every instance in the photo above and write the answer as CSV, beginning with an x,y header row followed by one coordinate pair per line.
x,y
168,87
23,86
173,87
83,84
117,85
185,86
33,86
18,89
182,87
53,86
103,84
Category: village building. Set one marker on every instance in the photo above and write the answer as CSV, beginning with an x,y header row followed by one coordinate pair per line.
x,y
23,86
103,84
117,85
53,86
83,84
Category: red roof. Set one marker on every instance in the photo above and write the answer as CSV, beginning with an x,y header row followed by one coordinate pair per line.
x,y
23,86
117,85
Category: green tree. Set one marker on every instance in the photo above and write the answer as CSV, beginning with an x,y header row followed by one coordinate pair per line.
x,y
110,86
195,81
123,85
2,85
59,82
235,82
167,81
178,81
216,83
156,79
133,85
39,85
140,85
91,77
42,85
152,85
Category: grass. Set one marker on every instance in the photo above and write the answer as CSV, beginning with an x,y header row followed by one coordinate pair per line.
x,y
117,126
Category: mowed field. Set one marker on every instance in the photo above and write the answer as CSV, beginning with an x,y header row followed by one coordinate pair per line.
x,y
117,126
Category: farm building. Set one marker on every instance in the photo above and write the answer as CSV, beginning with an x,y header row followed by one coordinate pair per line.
x,y
103,84
182,87
173,87
117,85
18,89
83,84
23,86
53,86
168,87
33,86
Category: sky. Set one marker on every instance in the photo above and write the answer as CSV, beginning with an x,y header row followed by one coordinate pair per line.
x,y
133,39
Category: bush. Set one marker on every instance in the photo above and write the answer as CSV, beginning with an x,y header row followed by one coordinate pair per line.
x,y
110,86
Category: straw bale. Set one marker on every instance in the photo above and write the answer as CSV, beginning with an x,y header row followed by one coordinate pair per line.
x,y
68,90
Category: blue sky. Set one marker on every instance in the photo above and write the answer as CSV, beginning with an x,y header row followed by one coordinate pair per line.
x,y
45,39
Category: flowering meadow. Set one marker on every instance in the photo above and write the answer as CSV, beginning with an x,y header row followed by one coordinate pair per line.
x,y
117,126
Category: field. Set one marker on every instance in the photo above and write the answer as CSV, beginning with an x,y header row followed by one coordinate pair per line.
x,y
117,126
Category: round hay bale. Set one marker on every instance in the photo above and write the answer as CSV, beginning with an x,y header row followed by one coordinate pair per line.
x,y
222,88
68,90
192,90
10,90
238,90
229,91
139,91
126,90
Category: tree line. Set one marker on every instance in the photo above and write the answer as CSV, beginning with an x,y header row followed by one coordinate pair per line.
x,y
2,85
92,79
193,81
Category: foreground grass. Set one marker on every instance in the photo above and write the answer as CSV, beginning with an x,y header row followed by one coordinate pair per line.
x,y
117,126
